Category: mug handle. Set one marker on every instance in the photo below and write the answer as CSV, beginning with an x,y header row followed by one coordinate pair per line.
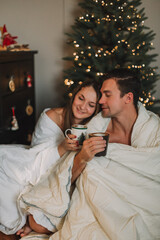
x,y
67,132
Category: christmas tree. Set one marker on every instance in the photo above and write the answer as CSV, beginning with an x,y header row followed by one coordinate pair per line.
x,y
111,34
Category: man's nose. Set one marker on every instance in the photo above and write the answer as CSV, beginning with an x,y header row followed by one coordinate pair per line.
x,y
101,100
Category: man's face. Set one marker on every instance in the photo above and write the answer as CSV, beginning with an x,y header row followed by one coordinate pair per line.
x,y
111,102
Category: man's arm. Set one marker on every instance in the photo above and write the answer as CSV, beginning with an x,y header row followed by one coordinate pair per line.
x,y
90,147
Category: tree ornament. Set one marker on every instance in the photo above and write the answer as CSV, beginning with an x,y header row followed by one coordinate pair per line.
x,y
29,80
11,84
29,109
14,121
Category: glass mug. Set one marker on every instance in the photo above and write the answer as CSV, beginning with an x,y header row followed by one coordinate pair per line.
x,y
105,137
79,130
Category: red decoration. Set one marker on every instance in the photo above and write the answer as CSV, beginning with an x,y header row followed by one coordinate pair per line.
x,y
14,121
29,80
8,39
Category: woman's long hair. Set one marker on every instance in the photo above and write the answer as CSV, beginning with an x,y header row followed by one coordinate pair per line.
x,y
68,114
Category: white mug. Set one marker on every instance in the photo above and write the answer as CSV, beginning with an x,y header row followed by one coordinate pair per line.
x,y
80,131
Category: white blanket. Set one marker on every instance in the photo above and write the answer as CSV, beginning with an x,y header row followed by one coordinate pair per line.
x,y
22,166
116,197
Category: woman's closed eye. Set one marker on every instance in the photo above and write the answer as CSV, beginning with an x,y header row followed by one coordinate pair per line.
x,y
81,98
92,105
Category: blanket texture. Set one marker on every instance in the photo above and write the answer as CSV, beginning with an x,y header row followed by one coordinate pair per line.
x,y
22,166
115,198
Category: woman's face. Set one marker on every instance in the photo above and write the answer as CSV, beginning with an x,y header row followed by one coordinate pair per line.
x,y
84,103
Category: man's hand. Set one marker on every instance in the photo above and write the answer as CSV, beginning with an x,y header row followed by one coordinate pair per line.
x,y
90,147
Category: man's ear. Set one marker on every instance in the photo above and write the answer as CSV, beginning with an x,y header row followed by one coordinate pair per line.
x,y
129,97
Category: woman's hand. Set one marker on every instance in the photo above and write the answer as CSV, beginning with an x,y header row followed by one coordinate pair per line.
x,y
68,145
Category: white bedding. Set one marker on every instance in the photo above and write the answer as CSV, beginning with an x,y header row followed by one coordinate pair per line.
x,y
116,197
22,166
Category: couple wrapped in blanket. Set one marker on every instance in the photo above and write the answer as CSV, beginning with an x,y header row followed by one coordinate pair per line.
x,y
80,196
116,197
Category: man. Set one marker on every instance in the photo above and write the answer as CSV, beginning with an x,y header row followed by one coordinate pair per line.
x,y
120,94
116,197
123,193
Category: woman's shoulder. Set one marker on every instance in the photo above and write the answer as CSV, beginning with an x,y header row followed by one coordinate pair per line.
x,y
56,115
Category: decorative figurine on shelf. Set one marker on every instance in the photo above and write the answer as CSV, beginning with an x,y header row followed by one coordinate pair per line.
x,y
14,121
7,42
8,39
29,80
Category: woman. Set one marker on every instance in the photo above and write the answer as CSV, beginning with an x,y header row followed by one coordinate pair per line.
x,y
32,163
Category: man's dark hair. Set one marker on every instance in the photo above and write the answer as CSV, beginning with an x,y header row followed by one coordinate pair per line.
x,y
127,81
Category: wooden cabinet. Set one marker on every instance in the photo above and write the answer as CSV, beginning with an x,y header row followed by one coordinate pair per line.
x,y
17,96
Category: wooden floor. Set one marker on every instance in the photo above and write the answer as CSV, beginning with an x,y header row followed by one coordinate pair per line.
x,y
8,237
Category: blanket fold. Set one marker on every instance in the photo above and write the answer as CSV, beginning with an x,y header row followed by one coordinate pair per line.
x,y
48,201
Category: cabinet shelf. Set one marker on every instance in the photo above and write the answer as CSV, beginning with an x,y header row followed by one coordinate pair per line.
x,y
15,68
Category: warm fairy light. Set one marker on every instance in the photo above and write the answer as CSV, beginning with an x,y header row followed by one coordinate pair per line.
x,y
80,64
99,74
68,82
80,82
